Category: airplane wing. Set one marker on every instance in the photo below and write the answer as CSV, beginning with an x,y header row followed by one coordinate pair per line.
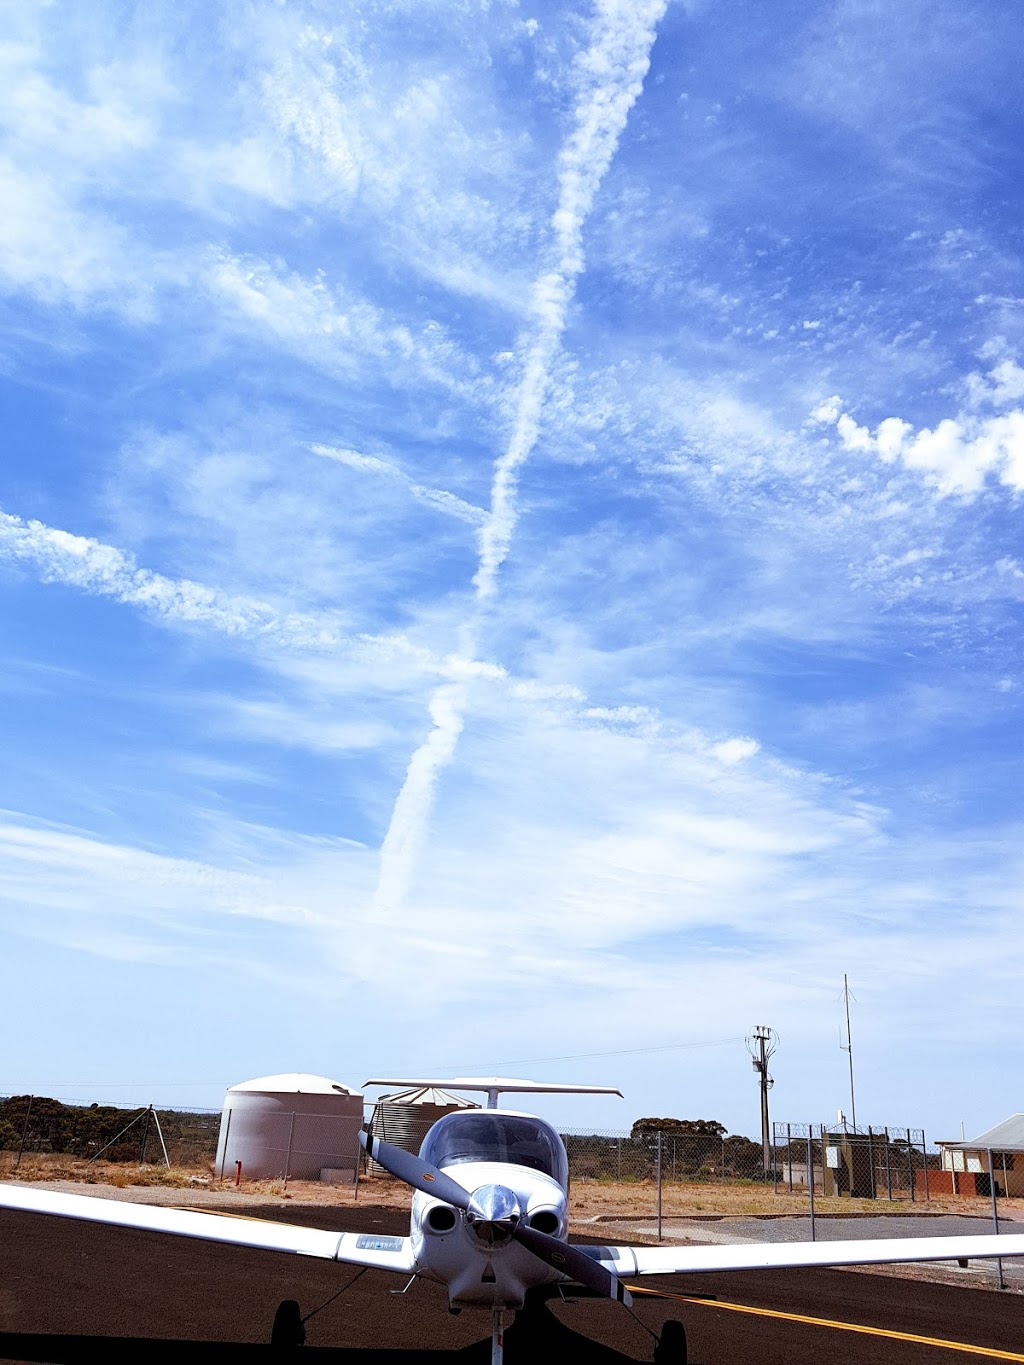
x,y
628,1261
357,1248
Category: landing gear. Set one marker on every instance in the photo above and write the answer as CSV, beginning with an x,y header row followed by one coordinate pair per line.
x,y
288,1329
671,1347
497,1336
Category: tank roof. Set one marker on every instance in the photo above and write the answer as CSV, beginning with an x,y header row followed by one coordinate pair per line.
x,y
422,1095
294,1083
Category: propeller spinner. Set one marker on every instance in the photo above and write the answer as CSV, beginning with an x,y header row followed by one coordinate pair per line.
x,y
495,1216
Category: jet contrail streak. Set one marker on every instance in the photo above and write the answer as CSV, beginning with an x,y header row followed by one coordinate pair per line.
x,y
408,826
610,76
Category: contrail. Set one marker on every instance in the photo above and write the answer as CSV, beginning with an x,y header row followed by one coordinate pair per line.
x,y
609,78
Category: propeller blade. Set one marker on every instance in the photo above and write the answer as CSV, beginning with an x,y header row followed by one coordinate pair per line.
x,y
572,1262
559,1255
419,1174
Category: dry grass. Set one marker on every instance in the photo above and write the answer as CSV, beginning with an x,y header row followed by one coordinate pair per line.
x,y
589,1199
594,1199
197,1183
118,1174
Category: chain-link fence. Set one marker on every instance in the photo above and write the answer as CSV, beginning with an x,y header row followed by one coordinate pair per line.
x,y
33,1125
702,1158
855,1163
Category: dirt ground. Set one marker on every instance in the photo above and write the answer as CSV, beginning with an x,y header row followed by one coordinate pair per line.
x,y
590,1200
124,1295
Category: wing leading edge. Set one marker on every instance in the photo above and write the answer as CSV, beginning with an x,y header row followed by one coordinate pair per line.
x,y
626,1261
366,1249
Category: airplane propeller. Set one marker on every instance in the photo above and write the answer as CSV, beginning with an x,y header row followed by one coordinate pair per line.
x,y
494,1212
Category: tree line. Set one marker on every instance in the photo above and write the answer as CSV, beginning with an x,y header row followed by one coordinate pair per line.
x,y
38,1123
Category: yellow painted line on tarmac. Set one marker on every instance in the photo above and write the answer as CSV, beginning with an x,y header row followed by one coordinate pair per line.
x,y
965,1347
223,1213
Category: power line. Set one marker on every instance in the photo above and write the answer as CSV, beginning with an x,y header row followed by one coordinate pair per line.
x,y
447,1066
586,1056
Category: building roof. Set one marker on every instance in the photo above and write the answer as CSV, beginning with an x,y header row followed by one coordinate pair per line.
x,y
294,1083
1007,1136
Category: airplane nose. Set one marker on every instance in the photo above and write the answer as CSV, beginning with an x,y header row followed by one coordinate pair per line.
x,y
493,1212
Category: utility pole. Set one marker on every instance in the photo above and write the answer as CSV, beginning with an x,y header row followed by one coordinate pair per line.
x,y
761,1045
847,1047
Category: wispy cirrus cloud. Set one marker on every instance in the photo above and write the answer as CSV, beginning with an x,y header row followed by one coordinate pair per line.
x,y
90,565
311,317
439,498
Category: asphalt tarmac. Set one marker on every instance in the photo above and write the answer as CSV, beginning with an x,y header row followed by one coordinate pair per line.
x,y
131,1291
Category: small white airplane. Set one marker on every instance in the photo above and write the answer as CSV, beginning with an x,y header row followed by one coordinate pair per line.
x,y
490,1219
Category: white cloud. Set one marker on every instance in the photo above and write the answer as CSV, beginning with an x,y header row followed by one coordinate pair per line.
x,y
438,498
94,567
610,78
1003,384
959,454
342,334
300,727
62,254
735,750
68,870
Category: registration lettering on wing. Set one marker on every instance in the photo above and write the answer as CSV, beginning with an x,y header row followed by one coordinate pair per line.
x,y
368,1241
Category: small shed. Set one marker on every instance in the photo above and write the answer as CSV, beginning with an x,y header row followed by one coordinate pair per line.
x,y
968,1166
405,1117
293,1126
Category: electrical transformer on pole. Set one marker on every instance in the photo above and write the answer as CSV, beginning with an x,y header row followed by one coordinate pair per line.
x,y
762,1045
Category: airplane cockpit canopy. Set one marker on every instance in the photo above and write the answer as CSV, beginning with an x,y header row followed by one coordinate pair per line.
x,y
489,1135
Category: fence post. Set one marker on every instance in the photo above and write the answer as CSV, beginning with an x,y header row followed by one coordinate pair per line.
x,y
775,1164
810,1174
871,1158
910,1165
224,1153
145,1137
789,1153
924,1158
288,1157
1000,1284
160,1135
888,1165
659,1182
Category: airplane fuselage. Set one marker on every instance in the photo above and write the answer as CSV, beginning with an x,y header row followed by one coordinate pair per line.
x,y
482,1268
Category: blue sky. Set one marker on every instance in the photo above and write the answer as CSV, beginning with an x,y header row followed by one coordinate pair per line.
x,y
509,548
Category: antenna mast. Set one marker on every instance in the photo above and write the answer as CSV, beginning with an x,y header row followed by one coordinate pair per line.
x,y
847,1047
761,1045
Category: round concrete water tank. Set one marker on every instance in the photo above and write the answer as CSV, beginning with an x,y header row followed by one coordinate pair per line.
x,y
405,1117
293,1126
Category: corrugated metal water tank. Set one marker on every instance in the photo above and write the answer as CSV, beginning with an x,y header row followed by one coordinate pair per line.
x,y
289,1127
405,1117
